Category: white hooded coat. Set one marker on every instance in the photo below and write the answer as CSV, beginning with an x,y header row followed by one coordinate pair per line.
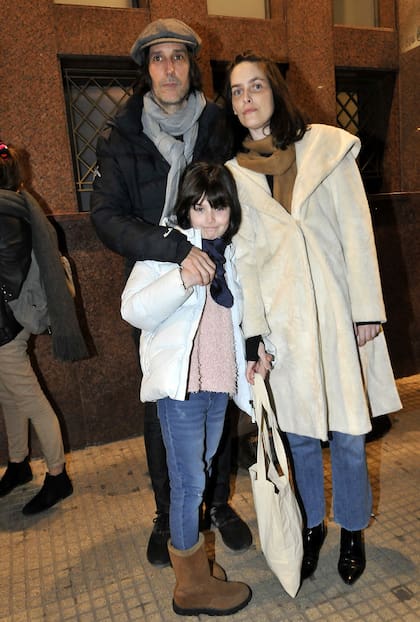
x,y
307,277
155,300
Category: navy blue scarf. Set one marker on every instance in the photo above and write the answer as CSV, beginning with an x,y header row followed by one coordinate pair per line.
x,y
219,290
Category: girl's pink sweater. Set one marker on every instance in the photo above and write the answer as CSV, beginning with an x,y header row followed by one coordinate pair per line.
x,y
213,361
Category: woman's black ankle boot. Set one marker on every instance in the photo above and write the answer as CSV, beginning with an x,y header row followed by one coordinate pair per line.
x,y
352,561
313,539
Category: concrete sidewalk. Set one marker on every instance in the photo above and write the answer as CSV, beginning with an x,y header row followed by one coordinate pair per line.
x,y
85,559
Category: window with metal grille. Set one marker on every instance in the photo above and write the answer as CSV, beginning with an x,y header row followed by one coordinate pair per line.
x,y
363,106
94,92
348,111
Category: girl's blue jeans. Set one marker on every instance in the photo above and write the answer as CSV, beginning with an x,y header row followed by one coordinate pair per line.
x,y
191,431
352,495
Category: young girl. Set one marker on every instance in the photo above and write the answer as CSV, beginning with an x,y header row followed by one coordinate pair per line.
x,y
193,359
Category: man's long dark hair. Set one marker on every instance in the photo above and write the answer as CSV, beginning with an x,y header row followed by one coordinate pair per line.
x,y
287,124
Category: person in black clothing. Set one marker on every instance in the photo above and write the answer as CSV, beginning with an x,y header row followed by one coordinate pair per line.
x,y
166,124
27,235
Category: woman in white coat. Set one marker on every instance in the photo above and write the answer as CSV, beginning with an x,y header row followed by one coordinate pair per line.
x,y
192,355
307,259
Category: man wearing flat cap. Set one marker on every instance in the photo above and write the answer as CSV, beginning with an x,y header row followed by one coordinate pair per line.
x,y
166,124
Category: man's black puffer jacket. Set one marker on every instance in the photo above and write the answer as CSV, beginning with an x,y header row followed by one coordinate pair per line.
x,y
15,259
130,184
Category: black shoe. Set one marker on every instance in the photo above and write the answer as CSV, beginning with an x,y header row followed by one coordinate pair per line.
x,y
16,474
380,426
313,540
157,548
247,451
54,489
352,561
235,533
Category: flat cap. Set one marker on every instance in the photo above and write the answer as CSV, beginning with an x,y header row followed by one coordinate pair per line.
x,y
165,31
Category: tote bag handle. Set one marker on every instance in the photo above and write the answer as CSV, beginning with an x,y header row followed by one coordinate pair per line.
x,y
267,469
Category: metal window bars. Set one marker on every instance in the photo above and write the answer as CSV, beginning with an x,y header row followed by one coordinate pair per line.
x,y
93,96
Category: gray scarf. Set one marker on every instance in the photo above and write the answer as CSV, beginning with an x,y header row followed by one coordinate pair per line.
x,y
162,128
67,339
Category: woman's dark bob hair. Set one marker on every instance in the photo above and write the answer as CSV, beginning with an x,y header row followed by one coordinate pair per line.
x,y
144,81
11,169
216,182
287,124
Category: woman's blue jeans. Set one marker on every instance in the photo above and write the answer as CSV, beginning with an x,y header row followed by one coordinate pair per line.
x,y
352,495
191,431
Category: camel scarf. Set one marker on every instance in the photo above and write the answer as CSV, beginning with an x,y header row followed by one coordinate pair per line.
x,y
263,157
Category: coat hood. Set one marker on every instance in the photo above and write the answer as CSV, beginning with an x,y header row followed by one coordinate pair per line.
x,y
319,152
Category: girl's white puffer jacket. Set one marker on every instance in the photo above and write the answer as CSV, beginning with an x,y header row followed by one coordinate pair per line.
x,y
155,300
